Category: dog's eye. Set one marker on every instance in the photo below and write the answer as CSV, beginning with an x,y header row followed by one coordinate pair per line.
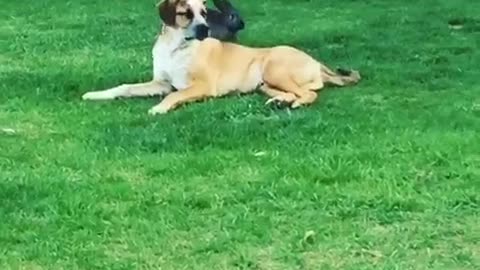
x,y
188,14
204,13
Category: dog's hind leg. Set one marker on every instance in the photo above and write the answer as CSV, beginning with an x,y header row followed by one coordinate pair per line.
x,y
146,89
307,97
282,76
304,95
277,95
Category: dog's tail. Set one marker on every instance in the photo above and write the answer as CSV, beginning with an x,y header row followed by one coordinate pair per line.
x,y
342,77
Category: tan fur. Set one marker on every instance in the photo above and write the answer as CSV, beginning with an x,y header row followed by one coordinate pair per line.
x,y
216,68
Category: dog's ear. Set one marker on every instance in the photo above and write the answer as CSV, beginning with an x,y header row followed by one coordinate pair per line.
x,y
167,11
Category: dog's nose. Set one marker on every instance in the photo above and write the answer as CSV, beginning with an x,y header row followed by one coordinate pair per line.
x,y
201,31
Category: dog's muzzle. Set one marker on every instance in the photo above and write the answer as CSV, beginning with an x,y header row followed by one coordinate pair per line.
x,y
201,31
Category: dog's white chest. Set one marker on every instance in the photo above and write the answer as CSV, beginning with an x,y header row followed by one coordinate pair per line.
x,y
171,62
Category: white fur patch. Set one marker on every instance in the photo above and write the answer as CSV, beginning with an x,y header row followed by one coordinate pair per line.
x,y
172,59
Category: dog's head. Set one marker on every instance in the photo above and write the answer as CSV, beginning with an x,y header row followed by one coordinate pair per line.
x,y
189,15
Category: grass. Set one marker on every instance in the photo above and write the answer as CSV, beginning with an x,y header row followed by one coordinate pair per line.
x,y
384,175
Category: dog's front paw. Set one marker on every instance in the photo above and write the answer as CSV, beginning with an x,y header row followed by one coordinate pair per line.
x,y
100,95
159,109
112,93
88,95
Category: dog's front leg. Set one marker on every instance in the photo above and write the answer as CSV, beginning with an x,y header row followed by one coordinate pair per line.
x,y
151,88
196,92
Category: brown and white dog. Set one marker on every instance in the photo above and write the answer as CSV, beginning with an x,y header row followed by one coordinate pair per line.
x,y
199,67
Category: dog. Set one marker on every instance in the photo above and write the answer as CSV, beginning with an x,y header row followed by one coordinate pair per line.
x,y
185,59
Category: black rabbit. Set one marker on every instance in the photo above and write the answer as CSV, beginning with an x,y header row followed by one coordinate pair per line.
x,y
225,22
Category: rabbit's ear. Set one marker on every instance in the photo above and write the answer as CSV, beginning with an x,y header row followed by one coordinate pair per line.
x,y
223,5
167,11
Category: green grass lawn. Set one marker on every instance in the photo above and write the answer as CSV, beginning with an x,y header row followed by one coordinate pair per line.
x,y
383,175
